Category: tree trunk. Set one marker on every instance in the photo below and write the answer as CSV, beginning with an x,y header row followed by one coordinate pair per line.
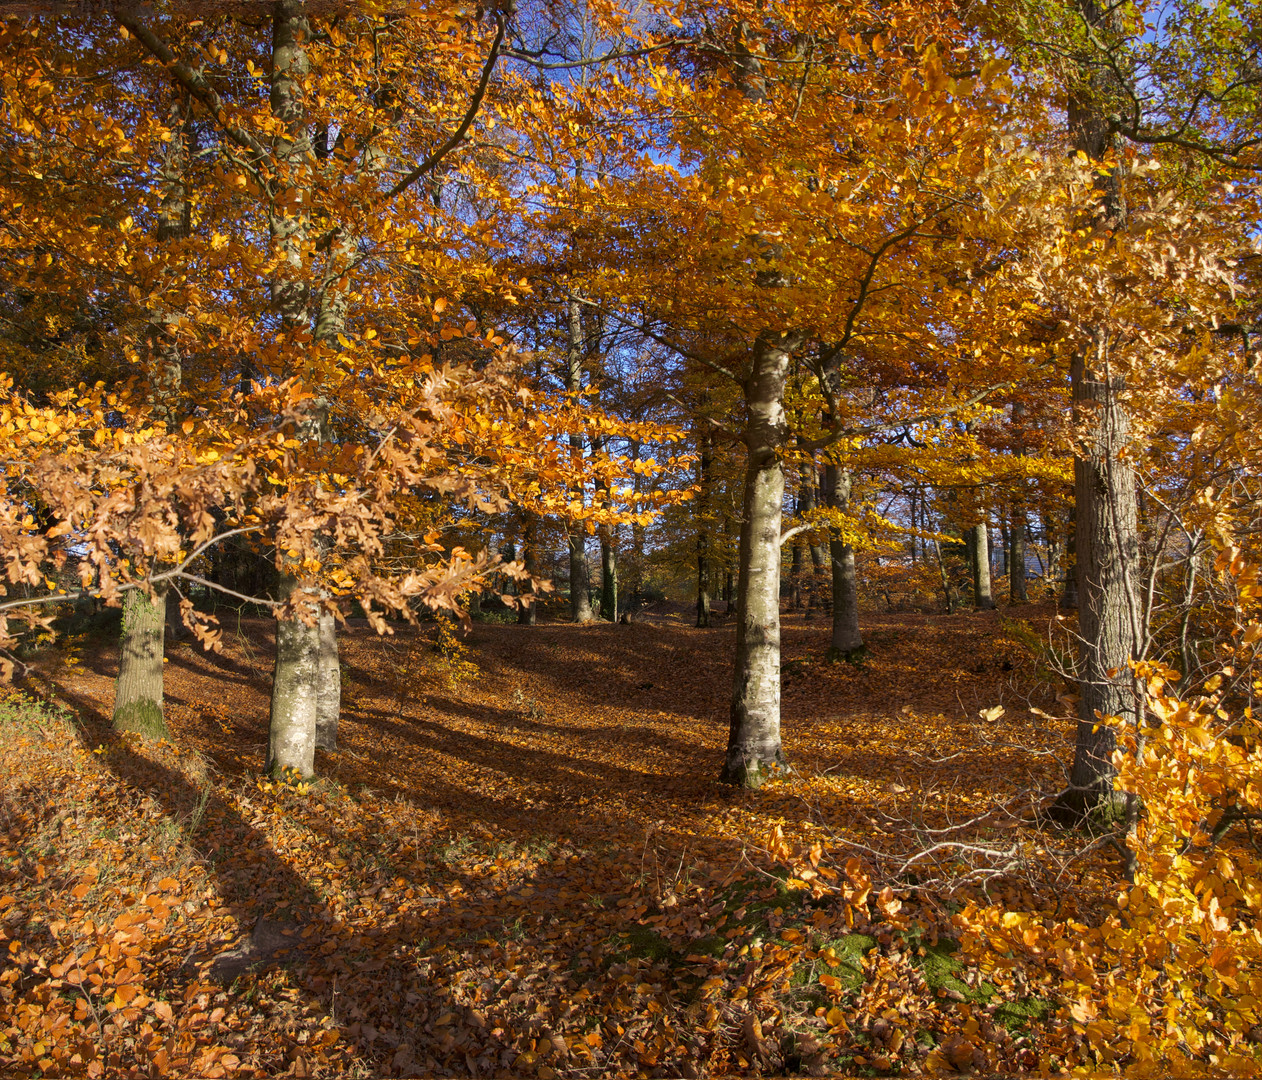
x,y
635,572
528,614
329,689
704,464
796,570
820,594
847,640
295,691
979,557
608,576
1107,531
138,692
296,676
753,746
580,580
1017,592
1069,597
948,595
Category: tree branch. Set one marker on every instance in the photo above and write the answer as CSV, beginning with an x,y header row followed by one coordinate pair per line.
x,y
474,105
192,81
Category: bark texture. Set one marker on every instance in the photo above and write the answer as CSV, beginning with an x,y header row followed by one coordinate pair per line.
x,y
817,595
702,511
291,740
979,556
329,683
580,578
1105,511
296,684
608,578
1017,591
1107,531
753,748
528,614
846,642
138,693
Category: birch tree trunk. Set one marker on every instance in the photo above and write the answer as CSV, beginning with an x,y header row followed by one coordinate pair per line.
x,y
753,747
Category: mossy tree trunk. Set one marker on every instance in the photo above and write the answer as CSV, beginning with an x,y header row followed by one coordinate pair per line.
x,y
608,576
138,694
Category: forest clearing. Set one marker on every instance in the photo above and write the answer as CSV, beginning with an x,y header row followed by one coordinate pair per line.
x,y
529,869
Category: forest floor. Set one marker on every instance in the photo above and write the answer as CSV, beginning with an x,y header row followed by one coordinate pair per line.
x,y
520,862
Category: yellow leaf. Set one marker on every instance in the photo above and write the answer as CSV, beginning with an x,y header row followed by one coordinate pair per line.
x,y
993,68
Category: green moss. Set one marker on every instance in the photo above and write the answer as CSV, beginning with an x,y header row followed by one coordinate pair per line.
x,y
640,942
942,971
143,717
854,657
850,950
711,945
1019,1016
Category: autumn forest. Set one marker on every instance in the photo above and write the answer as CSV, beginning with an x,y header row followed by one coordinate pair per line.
x,y
675,538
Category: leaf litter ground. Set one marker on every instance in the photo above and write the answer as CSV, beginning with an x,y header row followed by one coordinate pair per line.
x,y
519,861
